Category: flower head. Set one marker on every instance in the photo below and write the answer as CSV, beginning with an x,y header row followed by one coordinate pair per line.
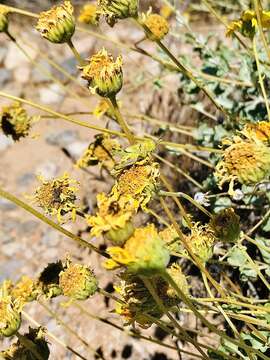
x,y
15,122
10,315
259,131
171,239
226,225
57,24
57,196
144,252
89,14
104,75
25,290
18,351
115,10
77,281
156,26
3,18
113,218
48,281
248,162
100,152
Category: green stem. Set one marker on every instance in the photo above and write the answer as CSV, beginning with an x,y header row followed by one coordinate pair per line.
x,y
76,53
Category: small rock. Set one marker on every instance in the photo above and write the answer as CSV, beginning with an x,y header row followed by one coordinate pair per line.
x,y
5,142
5,75
6,205
62,138
48,170
22,74
51,94
76,149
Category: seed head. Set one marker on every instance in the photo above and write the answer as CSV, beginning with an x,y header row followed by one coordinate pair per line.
x,y
57,24
15,122
57,196
104,75
144,253
25,290
3,18
115,10
156,26
10,315
78,281
48,281
226,225
89,15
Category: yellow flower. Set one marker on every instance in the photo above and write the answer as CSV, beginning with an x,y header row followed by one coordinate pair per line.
x,y
15,122
3,18
139,183
89,15
77,281
114,10
166,11
201,241
144,252
48,281
157,27
104,75
25,290
226,225
10,315
247,162
259,131
100,152
57,196
113,217
57,24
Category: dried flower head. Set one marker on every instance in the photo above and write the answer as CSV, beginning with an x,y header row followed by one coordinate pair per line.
x,y
57,196
247,162
247,24
226,225
57,24
104,75
18,351
100,152
259,131
10,315
115,10
15,122
156,26
48,281
113,218
78,281
3,18
144,253
201,241
25,290
89,15
139,183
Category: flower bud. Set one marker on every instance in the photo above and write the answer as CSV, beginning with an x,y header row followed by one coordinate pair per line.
x,y
104,75
78,281
226,225
3,19
119,236
156,26
10,316
57,24
48,281
118,9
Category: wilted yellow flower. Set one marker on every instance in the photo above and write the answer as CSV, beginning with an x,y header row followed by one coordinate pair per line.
x,y
3,18
201,241
57,24
100,152
114,10
15,122
48,281
25,290
57,196
113,218
77,281
139,182
226,225
18,351
10,315
89,15
104,75
259,131
158,26
248,162
144,252
248,23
